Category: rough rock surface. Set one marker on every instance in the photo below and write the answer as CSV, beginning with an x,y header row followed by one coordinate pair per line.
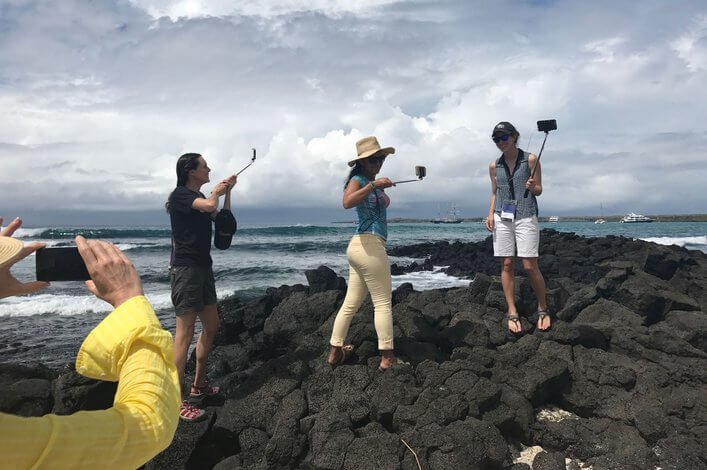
x,y
618,382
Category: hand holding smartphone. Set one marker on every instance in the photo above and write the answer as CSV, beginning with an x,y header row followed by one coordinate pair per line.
x,y
60,264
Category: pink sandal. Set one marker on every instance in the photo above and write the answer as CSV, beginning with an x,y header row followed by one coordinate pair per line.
x,y
190,413
203,390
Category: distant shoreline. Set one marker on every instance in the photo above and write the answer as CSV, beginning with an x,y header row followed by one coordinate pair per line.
x,y
568,218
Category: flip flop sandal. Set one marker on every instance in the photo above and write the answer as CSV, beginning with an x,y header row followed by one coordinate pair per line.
x,y
542,315
346,352
516,320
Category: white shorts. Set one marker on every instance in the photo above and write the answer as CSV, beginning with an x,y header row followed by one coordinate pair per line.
x,y
523,234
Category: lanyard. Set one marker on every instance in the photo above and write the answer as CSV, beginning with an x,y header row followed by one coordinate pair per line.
x,y
515,170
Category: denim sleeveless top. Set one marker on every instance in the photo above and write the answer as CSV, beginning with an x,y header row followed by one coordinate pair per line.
x,y
527,206
372,211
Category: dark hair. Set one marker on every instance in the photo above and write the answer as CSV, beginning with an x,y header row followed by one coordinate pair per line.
x,y
356,170
188,161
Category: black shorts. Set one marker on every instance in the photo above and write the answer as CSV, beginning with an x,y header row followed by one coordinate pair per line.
x,y
193,288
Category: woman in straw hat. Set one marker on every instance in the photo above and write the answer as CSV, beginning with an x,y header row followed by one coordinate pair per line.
x,y
129,347
369,270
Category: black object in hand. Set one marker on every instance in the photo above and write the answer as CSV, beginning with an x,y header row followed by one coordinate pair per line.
x,y
60,264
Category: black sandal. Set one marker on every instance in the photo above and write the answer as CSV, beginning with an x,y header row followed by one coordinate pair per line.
x,y
542,315
515,319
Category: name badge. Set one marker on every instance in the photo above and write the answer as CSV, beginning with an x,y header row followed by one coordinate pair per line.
x,y
508,210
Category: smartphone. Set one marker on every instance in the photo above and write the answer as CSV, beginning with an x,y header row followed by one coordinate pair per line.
x,y
60,264
547,125
420,171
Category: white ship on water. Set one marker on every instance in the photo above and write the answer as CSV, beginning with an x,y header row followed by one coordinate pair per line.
x,y
632,218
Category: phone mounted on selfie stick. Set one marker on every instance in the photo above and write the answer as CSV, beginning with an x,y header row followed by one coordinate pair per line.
x,y
543,126
252,160
420,172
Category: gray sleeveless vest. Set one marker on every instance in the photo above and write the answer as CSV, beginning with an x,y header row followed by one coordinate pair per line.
x,y
527,206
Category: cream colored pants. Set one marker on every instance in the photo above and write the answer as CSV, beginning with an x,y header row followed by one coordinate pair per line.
x,y
369,271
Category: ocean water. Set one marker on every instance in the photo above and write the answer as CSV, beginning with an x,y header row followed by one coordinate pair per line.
x,y
49,326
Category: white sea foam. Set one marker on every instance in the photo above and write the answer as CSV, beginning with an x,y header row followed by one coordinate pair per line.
x,y
425,280
50,303
127,246
679,241
29,232
69,305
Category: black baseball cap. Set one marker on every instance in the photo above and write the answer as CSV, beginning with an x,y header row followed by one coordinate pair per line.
x,y
225,226
504,127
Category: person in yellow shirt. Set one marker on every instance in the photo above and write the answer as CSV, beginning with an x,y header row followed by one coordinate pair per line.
x,y
128,346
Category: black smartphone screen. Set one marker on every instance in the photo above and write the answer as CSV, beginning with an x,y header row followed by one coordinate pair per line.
x,y
547,125
60,264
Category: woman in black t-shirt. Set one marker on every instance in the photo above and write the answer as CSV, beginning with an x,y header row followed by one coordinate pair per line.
x,y
191,277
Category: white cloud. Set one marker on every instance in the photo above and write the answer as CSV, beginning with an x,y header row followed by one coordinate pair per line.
x,y
177,9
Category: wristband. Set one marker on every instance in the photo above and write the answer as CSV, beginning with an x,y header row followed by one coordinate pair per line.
x,y
373,186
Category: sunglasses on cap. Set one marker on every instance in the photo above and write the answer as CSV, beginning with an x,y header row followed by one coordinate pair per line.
x,y
501,138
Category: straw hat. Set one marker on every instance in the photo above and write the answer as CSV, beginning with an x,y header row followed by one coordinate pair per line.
x,y
369,146
9,248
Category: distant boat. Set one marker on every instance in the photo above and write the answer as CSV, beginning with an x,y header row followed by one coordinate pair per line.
x,y
451,218
632,218
600,220
553,219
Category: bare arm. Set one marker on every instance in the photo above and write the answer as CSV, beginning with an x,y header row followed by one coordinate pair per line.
x,y
210,204
535,182
227,199
354,193
492,175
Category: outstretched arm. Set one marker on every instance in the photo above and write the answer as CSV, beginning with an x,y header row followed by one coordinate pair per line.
x,y
129,346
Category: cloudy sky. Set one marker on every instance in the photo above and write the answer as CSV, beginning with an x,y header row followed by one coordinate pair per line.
x,y
99,98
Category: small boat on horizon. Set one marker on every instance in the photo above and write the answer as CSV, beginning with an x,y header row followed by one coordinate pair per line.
x,y
600,221
632,218
553,219
452,218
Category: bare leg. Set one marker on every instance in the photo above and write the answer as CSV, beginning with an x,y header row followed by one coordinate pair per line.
x,y
182,339
209,327
509,286
537,282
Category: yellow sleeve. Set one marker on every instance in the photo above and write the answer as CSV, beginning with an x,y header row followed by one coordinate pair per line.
x,y
129,345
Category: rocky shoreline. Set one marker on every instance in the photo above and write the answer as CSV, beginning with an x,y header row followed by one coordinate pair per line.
x,y
619,382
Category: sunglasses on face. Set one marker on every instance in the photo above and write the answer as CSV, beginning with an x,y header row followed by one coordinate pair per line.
x,y
378,159
501,138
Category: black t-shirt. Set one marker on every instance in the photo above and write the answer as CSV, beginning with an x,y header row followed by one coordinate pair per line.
x,y
191,229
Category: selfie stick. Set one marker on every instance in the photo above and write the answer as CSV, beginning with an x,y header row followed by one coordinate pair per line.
x,y
407,181
532,173
249,164
420,171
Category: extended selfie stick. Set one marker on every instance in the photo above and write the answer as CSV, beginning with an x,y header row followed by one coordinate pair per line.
x,y
546,127
252,160
420,171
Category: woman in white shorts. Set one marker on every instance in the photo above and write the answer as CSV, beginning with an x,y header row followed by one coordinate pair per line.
x,y
513,220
